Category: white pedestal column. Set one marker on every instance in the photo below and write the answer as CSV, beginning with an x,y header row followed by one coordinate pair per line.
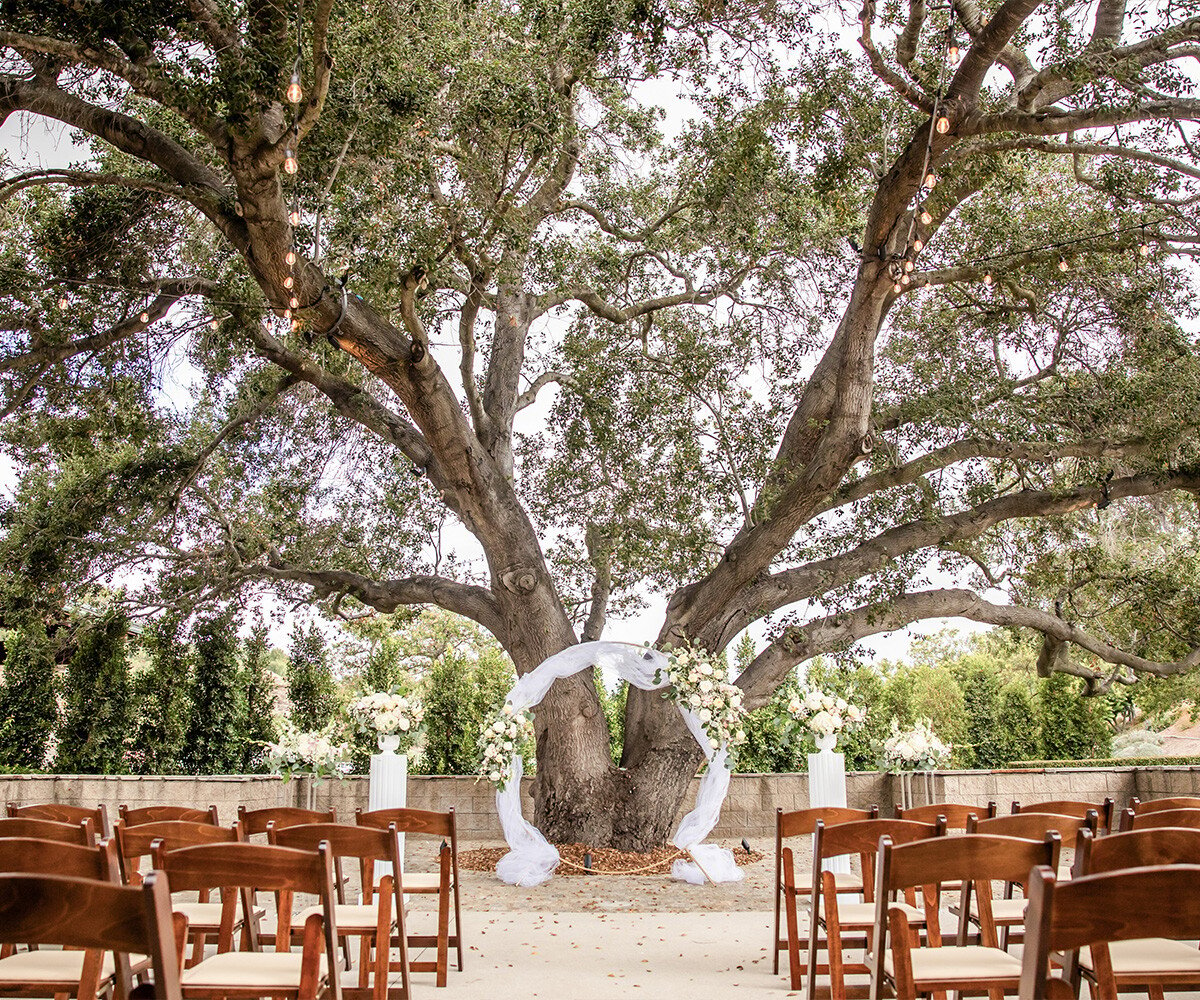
x,y
388,790
827,787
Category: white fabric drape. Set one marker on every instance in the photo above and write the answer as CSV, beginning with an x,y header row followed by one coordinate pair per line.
x,y
532,859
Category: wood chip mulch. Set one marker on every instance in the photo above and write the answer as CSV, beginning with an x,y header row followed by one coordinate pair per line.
x,y
605,860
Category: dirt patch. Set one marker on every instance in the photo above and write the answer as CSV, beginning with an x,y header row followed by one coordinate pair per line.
x,y
604,860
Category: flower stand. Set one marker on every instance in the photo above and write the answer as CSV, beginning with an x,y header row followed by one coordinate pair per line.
x,y
827,787
388,787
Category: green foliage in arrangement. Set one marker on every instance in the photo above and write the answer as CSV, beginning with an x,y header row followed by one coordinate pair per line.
x,y
96,723
28,699
311,690
161,701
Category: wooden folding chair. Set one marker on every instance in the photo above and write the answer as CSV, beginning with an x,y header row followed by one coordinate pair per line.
x,y
443,882
165,814
1069,807
956,814
82,833
802,823
60,813
138,842
847,924
1130,959
382,907
1182,819
1098,912
1008,912
109,921
255,821
1158,805
236,869
897,959
66,971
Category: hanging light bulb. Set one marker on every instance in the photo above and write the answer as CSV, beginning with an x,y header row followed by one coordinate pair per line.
x,y
1063,265
294,302
943,125
987,278
896,288
918,245
905,279
294,90
909,265
295,326
290,257
63,302
926,218
930,181
952,52
1144,248
288,281
214,324
144,317
290,163
287,314
294,216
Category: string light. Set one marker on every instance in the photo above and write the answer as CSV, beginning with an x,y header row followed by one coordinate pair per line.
x,y
290,163
288,281
287,314
918,245
290,257
943,125
294,216
294,90
926,218
930,181
896,288
905,279
909,265
144,317
987,278
214,324
294,302
1063,265
63,302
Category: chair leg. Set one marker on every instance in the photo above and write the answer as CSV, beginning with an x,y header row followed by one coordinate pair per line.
x,y
443,934
198,942
364,961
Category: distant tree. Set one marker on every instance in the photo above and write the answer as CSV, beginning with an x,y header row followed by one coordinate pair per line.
x,y
1070,726
97,721
1017,730
161,701
212,745
257,681
28,699
981,739
310,682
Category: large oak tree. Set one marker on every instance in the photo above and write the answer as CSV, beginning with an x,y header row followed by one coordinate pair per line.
x,y
773,373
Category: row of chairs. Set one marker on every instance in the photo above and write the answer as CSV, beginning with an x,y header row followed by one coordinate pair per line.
x,y
998,849
226,860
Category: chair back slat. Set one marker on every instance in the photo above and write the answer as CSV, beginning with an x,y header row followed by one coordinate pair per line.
x,y
1158,805
135,843
977,858
1071,807
956,813
1186,819
435,824
367,843
1147,848
255,821
862,836
61,813
1034,825
32,856
161,814
82,833
249,866
802,822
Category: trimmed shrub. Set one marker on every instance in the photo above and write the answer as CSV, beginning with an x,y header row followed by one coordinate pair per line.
x,y
97,719
28,700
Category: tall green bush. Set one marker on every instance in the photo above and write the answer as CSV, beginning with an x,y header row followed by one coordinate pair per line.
x,y
980,745
1071,726
28,699
461,692
310,681
257,683
96,724
161,701
212,745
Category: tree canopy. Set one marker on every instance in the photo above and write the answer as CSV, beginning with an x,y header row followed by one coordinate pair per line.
x,y
530,311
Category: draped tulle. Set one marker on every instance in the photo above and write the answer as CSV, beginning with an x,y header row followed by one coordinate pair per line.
x,y
532,859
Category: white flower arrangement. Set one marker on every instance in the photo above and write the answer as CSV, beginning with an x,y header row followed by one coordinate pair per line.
x,y
501,738
696,682
307,753
385,713
822,714
915,749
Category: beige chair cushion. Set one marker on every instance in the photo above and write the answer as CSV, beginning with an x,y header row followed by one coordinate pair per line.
x,y
423,881
845,882
1004,911
349,916
46,966
201,915
968,963
863,914
249,968
1146,955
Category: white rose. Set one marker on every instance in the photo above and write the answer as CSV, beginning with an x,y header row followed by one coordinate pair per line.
x,y
493,775
706,687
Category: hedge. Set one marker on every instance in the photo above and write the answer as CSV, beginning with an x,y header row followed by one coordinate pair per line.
x,y
1107,762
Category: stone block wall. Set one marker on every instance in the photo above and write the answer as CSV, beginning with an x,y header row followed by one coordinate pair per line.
x,y
749,809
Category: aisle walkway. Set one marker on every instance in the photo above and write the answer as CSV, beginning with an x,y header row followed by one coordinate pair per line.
x,y
598,956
